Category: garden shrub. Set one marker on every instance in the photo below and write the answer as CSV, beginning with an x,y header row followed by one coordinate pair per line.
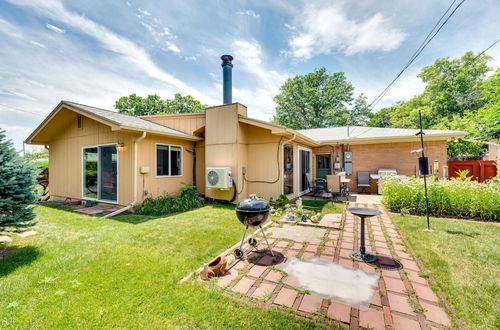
x,y
163,205
461,198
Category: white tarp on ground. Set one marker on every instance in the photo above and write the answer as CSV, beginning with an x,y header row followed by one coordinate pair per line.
x,y
353,287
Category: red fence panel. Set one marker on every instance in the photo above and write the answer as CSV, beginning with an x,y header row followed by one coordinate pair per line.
x,y
480,170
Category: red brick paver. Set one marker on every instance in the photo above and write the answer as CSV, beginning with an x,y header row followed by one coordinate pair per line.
x,y
339,311
243,285
372,318
310,303
286,297
263,290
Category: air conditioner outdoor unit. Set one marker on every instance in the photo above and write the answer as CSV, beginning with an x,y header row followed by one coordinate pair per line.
x,y
219,177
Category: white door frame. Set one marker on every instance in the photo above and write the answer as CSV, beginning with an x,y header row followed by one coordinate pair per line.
x,y
99,173
299,181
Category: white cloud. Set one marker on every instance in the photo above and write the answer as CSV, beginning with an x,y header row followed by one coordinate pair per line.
x,y
144,12
39,44
55,28
248,12
323,28
249,57
113,42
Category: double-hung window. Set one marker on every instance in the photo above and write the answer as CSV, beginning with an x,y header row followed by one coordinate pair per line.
x,y
168,160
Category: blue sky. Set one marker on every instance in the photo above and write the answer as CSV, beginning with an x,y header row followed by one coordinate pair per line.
x,y
94,52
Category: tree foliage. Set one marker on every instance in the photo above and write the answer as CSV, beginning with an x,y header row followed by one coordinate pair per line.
x,y
17,185
456,97
316,99
154,105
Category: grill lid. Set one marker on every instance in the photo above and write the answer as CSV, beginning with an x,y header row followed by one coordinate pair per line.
x,y
252,204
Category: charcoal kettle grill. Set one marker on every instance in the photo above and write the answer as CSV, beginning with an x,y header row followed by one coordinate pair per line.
x,y
252,212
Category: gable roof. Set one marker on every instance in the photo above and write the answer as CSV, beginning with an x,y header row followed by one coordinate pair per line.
x,y
353,134
117,121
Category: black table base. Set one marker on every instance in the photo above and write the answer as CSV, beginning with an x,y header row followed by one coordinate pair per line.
x,y
363,213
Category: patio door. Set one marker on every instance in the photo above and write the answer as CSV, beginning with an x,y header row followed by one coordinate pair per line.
x,y
323,166
305,175
100,173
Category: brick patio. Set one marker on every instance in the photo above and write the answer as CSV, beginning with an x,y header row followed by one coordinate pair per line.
x,y
403,300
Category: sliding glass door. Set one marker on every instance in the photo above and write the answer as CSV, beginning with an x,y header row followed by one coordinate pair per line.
x,y
100,173
305,175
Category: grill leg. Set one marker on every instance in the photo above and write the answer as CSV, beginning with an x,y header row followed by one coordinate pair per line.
x,y
268,246
243,239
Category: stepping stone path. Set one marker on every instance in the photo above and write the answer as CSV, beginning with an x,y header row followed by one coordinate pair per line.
x,y
403,299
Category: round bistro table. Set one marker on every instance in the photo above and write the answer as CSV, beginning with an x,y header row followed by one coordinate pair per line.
x,y
363,212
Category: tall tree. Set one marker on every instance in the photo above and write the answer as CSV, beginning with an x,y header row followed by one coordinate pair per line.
x,y
316,99
17,185
381,118
454,86
154,105
487,118
360,112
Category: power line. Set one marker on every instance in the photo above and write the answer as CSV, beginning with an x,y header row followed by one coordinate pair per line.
x,y
419,50
489,47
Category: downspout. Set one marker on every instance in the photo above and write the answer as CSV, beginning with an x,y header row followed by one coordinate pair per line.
x,y
128,207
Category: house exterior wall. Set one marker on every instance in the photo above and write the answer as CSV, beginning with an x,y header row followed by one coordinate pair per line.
x,y
372,157
65,162
188,123
150,185
65,158
225,145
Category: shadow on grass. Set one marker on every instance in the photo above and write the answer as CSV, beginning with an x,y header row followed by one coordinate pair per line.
x,y
462,233
14,258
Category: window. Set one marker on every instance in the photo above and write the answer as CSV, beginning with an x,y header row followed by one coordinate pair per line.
x,y
168,160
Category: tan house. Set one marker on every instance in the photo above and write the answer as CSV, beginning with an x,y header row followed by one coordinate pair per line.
x,y
101,155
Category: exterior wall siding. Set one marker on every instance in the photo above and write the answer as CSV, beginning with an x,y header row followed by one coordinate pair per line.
x,y
65,162
149,185
65,159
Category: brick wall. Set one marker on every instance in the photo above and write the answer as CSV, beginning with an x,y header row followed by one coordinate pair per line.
x,y
371,157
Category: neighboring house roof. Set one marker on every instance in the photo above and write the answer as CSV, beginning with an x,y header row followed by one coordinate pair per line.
x,y
116,120
353,134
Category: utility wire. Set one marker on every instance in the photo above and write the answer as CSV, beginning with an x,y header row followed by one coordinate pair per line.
x,y
489,47
435,30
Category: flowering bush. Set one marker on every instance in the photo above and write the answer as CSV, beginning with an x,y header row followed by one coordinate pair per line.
x,y
459,198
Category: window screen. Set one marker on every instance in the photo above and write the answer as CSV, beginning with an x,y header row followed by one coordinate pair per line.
x,y
168,160
162,158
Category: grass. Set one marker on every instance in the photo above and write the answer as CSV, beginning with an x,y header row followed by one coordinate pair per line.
x,y
325,206
88,272
464,258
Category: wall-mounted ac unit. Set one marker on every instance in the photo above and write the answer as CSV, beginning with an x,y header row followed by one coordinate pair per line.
x,y
219,177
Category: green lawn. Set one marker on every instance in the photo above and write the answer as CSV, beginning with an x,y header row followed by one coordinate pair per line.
x,y
464,258
89,272
325,206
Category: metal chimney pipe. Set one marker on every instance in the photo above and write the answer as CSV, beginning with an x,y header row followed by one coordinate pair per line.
x,y
227,79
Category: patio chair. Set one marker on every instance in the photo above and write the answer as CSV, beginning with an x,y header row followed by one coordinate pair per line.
x,y
318,187
364,180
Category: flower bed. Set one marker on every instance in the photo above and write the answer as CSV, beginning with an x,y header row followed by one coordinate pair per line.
x,y
459,198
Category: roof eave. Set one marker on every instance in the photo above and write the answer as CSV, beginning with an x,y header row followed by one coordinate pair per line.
x,y
406,138
178,136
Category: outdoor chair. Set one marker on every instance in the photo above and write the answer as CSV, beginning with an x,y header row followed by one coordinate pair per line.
x,y
364,180
318,187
